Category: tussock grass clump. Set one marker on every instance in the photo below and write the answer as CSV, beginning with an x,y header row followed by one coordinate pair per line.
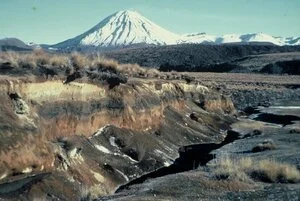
x,y
132,69
74,61
59,61
33,59
152,72
71,67
264,146
79,61
102,63
9,58
272,171
227,168
245,169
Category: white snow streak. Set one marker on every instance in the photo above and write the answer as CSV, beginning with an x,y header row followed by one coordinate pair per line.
x,y
102,149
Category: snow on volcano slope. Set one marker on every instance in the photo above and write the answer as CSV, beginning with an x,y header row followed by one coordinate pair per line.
x,y
247,38
124,28
229,38
235,38
260,37
198,38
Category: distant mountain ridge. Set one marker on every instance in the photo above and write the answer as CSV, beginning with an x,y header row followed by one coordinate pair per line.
x,y
13,44
126,28
130,29
239,38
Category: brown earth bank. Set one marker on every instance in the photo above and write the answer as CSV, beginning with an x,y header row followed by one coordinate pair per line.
x,y
66,140
78,129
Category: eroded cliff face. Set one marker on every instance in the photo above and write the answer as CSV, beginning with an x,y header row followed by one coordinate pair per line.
x,y
83,139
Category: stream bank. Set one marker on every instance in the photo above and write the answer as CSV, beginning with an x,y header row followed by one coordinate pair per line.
x,y
197,183
190,157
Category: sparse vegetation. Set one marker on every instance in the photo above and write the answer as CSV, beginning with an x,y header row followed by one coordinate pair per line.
x,y
203,58
79,61
74,61
264,146
188,78
32,60
71,67
87,193
295,130
246,169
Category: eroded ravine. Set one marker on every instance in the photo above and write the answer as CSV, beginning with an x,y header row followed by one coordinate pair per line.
x,y
190,157
201,183
98,138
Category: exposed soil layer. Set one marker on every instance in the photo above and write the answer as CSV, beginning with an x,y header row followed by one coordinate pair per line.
x,y
190,157
201,184
93,138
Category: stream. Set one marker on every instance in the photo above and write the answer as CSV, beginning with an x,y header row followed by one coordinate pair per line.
x,y
192,156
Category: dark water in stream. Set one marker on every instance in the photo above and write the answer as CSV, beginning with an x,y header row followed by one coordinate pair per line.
x,y
190,157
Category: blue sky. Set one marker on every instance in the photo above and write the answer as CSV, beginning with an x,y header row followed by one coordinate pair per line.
x,y
52,21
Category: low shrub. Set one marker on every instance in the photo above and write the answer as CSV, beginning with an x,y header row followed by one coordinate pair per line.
x,y
264,146
74,61
245,169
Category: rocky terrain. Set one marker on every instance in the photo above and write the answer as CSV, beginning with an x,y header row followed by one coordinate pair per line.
x,y
76,127
13,44
252,90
